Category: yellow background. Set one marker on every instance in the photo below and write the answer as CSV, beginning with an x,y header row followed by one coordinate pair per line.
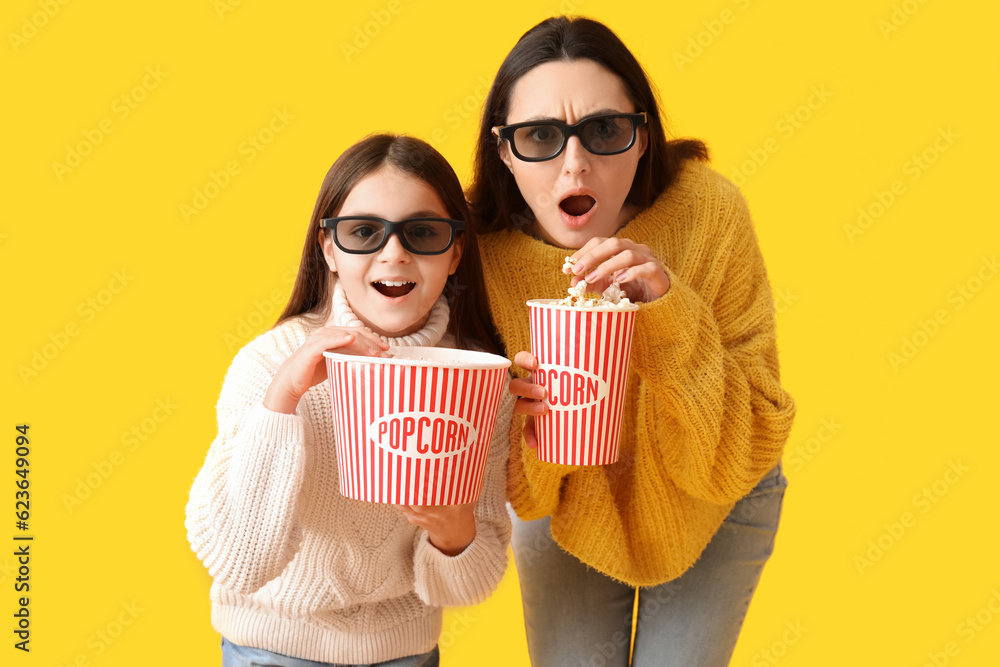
x,y
885,79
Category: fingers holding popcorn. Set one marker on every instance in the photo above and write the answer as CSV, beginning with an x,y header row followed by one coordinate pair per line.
x,y
603,261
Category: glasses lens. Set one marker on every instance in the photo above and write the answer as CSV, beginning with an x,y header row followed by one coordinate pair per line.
x,y
606,134
536,141
359,235
428,236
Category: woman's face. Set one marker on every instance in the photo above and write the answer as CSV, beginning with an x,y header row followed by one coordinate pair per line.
x,y
577,195
392,290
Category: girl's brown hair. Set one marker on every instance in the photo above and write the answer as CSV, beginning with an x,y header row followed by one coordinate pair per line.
x,y
470,321
496,200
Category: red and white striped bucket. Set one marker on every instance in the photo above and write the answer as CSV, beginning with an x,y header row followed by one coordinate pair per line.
x,y
583,359
415,428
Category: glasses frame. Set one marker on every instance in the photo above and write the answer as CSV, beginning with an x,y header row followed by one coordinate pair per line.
x,y
390,229
637,120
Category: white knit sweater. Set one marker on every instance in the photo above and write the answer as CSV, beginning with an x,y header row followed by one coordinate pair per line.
x,y
297,568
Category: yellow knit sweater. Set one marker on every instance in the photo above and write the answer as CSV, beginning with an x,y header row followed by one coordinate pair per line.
x,y
705,414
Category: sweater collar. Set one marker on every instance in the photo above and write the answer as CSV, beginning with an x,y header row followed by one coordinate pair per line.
x,y
341,315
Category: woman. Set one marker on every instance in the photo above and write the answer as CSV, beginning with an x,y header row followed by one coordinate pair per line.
x,y
572,159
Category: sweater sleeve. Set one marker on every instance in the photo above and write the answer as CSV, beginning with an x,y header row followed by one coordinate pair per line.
x,y
709,401
473,575
242,511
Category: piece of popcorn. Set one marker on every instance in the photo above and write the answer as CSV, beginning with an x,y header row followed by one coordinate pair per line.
x,y
614,293
613,297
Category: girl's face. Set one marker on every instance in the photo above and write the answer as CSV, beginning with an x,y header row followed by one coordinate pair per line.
x,y
576,195
391,290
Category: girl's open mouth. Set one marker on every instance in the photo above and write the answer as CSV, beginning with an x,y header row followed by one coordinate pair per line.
x,y
393,288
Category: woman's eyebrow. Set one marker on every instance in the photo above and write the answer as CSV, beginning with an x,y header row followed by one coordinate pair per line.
x,y
598,112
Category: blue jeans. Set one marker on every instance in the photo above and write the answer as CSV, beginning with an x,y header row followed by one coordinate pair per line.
x,y
575,616
234,655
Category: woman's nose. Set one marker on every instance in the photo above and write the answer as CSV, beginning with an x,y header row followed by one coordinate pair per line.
x,y
576,158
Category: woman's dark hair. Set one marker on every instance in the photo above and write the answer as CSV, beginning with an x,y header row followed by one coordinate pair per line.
x,y
470,320
495,198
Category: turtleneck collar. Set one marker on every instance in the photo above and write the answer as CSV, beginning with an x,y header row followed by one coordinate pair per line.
x,y
430,335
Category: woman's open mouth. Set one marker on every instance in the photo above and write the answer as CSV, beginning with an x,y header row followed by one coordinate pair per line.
x,y
576,210
393,288
577,205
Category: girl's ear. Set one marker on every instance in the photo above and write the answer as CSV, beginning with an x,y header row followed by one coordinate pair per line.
x,y
326,241
456,255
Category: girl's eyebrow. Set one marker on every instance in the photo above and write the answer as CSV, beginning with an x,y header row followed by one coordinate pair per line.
x,y
426,214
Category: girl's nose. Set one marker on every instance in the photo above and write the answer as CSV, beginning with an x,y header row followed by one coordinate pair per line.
x,y
576,158
393,251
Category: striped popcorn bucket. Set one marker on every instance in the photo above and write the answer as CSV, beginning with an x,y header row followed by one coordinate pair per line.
x,y
415,429
583,359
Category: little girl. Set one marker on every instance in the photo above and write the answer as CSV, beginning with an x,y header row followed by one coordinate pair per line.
x,y
302,575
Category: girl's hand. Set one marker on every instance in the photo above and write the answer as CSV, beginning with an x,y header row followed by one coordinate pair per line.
x,y
530,395
306,367
632,265
450,528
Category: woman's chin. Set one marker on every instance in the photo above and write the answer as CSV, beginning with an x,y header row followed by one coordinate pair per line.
x,y
572,232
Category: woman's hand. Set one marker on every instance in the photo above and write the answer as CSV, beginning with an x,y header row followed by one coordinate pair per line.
x,y
530,397
631,265
450,528
306,367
